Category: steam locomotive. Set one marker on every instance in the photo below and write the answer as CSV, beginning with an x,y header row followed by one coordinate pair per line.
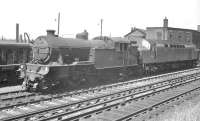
x,y
78,63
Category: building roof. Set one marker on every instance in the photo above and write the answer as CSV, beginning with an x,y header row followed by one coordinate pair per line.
x,y
167,42
172,28
135,29
120,39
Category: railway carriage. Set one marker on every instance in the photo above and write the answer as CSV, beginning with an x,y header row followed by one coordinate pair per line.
x,y
12,54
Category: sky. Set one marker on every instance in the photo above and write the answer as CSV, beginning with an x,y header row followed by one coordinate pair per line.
x,y
36,16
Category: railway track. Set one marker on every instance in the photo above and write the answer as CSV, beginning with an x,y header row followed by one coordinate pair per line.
x,y
22,98
85,111
74,105
131,109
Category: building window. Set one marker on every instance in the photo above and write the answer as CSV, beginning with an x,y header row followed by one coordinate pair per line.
x,y
180,36
121,46
188,37
170,36
125,46
159,35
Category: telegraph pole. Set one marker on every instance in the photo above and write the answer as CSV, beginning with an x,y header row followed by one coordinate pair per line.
x,y
101,26
58,23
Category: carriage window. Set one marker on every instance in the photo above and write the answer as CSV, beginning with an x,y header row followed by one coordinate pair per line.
x,y
24,56
3,55
15,56
20,55
9,56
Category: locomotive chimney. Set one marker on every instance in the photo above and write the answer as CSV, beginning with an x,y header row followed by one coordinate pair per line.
x,y
198,28
165,22
17,32
50,32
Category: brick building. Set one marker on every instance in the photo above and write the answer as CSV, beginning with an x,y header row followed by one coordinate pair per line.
x,y
173,35
136,35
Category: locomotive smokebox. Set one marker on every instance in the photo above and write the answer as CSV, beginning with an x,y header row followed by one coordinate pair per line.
x,y
50,32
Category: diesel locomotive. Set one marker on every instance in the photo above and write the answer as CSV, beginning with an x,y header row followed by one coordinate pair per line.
x,y
77,63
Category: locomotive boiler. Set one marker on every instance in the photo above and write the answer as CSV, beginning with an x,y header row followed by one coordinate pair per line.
x,y
79,63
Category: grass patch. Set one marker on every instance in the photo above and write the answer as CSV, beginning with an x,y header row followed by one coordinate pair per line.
x,y
187,111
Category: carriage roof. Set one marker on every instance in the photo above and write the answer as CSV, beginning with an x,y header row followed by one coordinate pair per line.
x,y
13,43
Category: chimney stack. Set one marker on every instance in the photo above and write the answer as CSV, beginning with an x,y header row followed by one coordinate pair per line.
x,y
198,28
50,32
17,32
132,29
165,22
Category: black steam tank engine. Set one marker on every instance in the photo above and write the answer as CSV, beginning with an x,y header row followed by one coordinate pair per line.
x,y
78,63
